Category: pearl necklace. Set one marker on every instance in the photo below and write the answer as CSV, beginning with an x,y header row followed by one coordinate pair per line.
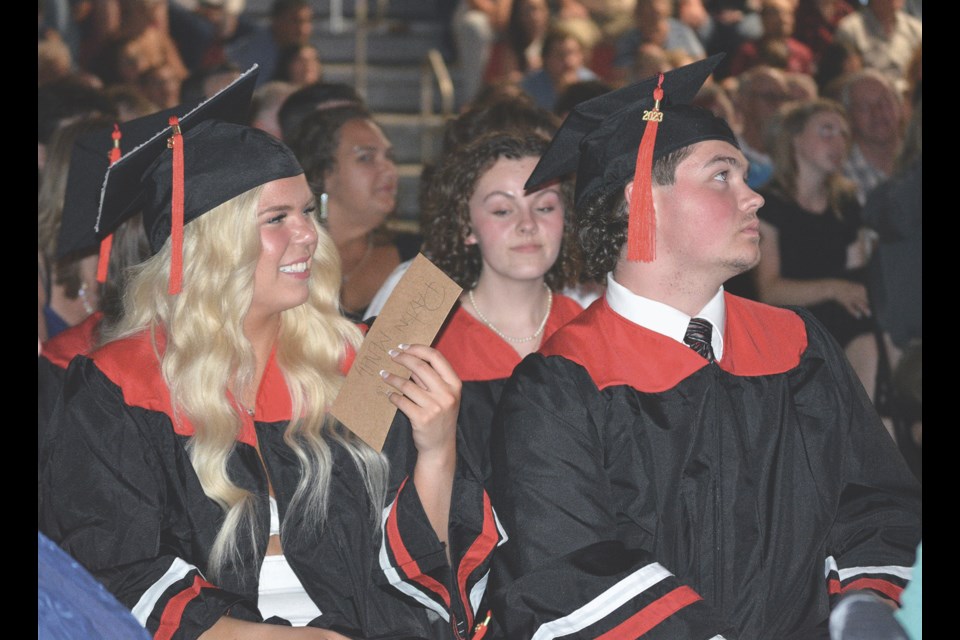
x,y
537,333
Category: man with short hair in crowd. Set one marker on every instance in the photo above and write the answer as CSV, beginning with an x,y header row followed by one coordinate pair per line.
x,y
761,92
876,123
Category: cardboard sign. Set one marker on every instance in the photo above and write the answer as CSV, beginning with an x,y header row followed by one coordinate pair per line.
x,y
413,314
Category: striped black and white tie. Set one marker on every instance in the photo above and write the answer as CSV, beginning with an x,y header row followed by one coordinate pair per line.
x,y
699,333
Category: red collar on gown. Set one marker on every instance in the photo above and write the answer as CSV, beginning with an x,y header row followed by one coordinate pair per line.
x,y
476,353
134,365
758,340
73,341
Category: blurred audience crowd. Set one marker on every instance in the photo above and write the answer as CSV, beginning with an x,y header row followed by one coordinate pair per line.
x,y
825,97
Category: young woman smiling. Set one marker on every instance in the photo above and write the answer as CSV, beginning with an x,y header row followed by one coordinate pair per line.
x,y
197,473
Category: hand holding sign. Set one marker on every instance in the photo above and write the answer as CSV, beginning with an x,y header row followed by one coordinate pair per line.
x,y
413,315
430,398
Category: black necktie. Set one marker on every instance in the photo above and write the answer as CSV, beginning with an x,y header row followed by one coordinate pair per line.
x,y
698,335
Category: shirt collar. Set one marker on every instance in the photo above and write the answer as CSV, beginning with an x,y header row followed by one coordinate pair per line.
x,y
664,319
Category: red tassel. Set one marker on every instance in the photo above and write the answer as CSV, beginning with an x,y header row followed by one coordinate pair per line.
x,y
176,214
103,262
115,151
642,224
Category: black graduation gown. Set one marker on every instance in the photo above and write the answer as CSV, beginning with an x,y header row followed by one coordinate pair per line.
x,y
121,496
649,493
484,361
51,367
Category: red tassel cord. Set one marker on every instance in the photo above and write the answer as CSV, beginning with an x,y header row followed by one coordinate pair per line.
x,y
642,224
176,214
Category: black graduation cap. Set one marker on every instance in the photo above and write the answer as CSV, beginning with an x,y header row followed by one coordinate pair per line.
x,y
191,166
90,157
616,136
94,152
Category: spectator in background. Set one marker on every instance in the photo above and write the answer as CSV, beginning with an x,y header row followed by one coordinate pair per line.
x,y
267,100
349,164
314,97
761,93
129,102
476,24
885,36
713,97
62,101
208,82
53,60
497,112
291,23
777,47
802,87
895,211
730,24
299,64
564,63
203,32
218,78
161,86
650,60
811,246
914,79
520,53
837,60
139,40
816,21
876,116
72,290
654,24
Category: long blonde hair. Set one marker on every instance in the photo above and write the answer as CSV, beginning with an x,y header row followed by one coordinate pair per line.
x,y
790,123
203,326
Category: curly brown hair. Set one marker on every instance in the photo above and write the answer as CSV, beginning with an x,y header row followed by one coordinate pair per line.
x,y
445,206
601,220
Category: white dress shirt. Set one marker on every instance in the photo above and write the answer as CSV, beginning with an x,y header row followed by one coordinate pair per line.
x,y
663,318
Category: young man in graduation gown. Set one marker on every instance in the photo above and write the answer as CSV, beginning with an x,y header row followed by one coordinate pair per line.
x,y
678,462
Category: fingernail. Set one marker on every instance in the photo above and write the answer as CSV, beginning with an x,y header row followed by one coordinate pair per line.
x,y
403,347
393,353
384,374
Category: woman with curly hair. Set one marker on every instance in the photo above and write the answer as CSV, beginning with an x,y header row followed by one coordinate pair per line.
x,y
349,164
197,473
512,251
810,240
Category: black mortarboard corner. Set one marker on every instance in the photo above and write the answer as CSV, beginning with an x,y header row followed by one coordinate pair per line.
x,y
90,157
618,135
191,166
94,152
